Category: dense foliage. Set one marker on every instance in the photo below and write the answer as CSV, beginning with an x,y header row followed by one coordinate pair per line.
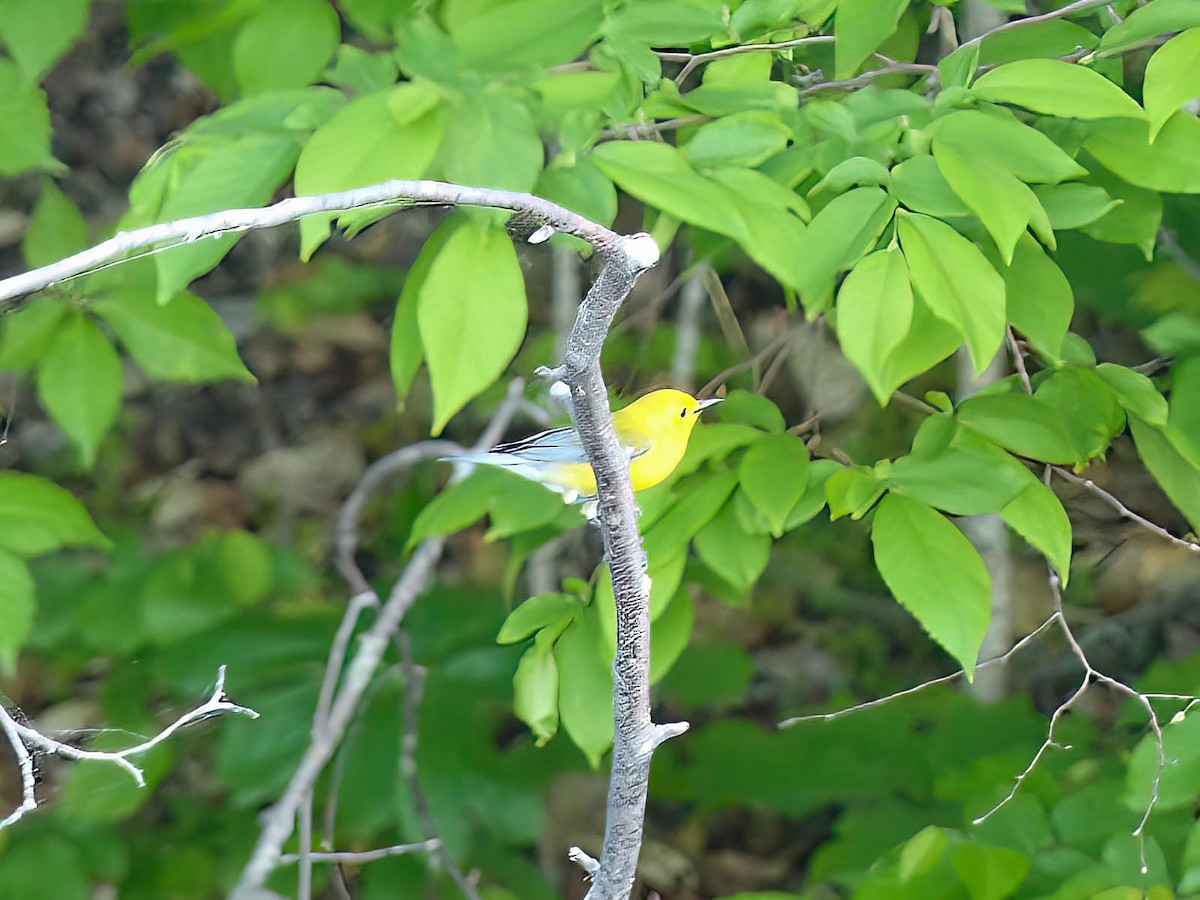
x,y
876,173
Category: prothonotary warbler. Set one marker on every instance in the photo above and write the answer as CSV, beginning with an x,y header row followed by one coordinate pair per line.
x,y
654,429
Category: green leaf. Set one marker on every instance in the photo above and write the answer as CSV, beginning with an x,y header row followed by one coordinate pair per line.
x,y
813,501
56,228
36,35
691,512
515,504
1184,415
856,171
1174,473
37,516
1169,164
742,139
1088,410
935,573
918,183
16,607
1050,39
24,125
1037,515
732,552
957,282
750,408
874,310
1056,88
920,854
390,134
362,72
491,141
664,23
210,175
1004,203
669,634
535,691
1005,142
929,341
963,481
580,187
285,45
184,340
407,350
1172,78
1021,424
526,34
838,236
585,692
956,69
1143,22
659,175
1134,220
1039,299
860,27
471,312
1136,393
1074,205
990,873
852,491
79,383
537,613
774,475
27,332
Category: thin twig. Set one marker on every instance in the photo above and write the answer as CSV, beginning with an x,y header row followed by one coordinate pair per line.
x,y
23,737
945,679
692,61
1125,511
772,346
1069,10
1018,357
870,77
359,857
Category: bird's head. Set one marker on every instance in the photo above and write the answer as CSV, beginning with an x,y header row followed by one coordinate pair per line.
x,y
669,410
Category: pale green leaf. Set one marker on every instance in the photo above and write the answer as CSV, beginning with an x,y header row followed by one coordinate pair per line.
x,y
535,614
580,187
56,228
585,693
1022,424
1175,474
16,608
285,45
1172,78
1170,164
535,692
852,491
1004,203
961,480
471,312
990,873
734,554
1184,414
79,383
37,516
860,27
837,237
929,341
957,282
1144,22
36,33
390,134
774,475
24,125
921,187
742,139
525,34
183,340
492,141
1039,299
1056,88
1137,394
1074,205
1002,140
26,332
874,310
1038,516
935,573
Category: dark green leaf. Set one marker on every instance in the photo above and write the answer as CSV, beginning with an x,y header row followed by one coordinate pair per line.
x,y
1184,416
1056,88
874,310
957,282
79,383
669,634
935,573
184,340
471,312
990,873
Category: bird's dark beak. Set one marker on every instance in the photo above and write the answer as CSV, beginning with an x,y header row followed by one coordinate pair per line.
x,y
705,404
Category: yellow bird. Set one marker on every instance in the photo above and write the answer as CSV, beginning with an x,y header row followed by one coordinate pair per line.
x,y
653,429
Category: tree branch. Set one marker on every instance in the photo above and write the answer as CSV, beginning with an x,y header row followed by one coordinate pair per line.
x,y
185,231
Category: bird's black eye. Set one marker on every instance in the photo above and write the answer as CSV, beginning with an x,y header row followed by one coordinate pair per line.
x,y
683,414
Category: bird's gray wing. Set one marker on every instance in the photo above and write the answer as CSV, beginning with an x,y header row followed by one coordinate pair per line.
x,y
558,445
